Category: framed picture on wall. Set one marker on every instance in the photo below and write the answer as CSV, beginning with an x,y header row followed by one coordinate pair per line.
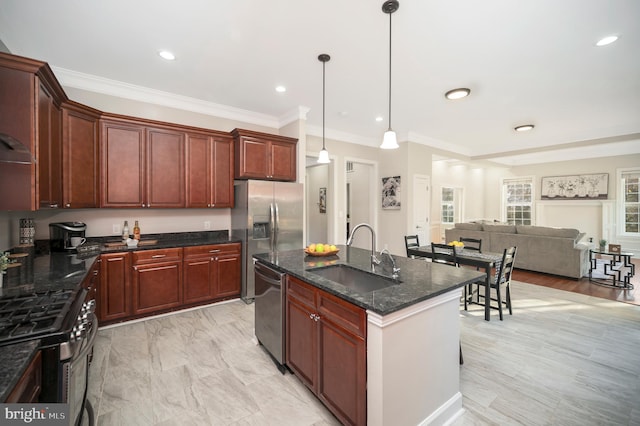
x,y
322,202
576,187
391,192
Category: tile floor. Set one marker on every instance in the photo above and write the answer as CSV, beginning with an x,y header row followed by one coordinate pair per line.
x,y
562,359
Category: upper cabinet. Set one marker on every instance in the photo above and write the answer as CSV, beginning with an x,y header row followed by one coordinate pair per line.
x,y
209,170
141,166
30,134
80,171
264,156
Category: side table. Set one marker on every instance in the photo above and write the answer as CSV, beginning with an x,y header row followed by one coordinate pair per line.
x,y
611,269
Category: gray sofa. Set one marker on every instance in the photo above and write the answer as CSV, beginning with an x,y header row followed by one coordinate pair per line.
x,y
556,251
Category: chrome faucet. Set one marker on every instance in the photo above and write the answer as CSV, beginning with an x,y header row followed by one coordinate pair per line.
x,y
374,259
396,270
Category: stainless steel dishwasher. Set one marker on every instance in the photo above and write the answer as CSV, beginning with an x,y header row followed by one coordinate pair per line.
x,y
269,311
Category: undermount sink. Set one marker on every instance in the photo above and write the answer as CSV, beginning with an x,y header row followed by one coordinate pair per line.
x,y
355,279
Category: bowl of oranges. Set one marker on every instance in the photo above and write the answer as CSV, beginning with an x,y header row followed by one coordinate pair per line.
x,y
321,249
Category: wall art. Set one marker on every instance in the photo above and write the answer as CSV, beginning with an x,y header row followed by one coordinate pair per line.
x,y
391,192
576,187
322,203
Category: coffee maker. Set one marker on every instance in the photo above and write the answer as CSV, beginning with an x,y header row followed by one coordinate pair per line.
x,y
61,233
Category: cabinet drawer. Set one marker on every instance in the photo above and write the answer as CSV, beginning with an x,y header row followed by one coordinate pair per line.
x,y
301,291
344,314
147,256
212,249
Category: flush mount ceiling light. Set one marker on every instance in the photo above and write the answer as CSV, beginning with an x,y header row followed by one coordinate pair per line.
x,y
281,89
524,128
323,158
606,40
165,54
459,93
390,141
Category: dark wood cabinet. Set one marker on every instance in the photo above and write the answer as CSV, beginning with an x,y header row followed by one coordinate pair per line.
x,y
156,280
264,156
115,287
211,272
326,348
80,160
164,168
30,121
209,171
27,390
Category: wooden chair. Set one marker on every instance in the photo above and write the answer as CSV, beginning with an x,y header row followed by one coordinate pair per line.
x,y
444,253
501,279
471,243
411,241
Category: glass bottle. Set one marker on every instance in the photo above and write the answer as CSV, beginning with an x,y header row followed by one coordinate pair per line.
x,y
136,231
125,231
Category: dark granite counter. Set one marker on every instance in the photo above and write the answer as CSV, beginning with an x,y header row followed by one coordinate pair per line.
x,y
419,280
14,360
168,240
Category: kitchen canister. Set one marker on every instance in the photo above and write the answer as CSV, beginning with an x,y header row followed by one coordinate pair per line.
x,y
27,231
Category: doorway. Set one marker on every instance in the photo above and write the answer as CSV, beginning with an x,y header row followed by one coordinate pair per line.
x,y
360,199
421,207
319,208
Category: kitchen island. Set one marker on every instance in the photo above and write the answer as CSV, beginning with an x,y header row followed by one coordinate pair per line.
x,y
412,331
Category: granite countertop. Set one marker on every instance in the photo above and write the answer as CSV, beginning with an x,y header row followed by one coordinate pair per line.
x,y
419,280
167,240
14,360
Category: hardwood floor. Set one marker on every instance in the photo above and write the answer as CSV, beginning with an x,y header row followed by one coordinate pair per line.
x,y
583,285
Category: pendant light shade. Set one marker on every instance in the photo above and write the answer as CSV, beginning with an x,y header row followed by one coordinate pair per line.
x,y
390,141
323,157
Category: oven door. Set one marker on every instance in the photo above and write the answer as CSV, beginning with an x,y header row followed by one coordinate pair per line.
x,y
75,374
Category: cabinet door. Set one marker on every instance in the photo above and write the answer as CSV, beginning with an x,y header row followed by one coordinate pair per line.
x,y
198,163
301,342
165,168
253,157
222,173
228,275
157,286
282,161
49,151
198,280
122,164
343,371
79,159
115,289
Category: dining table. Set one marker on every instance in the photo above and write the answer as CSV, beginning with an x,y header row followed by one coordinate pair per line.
x,y
485,260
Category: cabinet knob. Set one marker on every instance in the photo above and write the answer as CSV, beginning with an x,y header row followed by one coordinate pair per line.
x,y
68,205
53,206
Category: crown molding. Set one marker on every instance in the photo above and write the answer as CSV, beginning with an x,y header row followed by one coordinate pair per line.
x,y
120,89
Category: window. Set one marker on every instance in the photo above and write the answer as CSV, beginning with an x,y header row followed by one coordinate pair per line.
x,y
518,201
630,199
448,210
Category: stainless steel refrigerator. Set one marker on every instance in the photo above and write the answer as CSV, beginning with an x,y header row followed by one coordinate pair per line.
x,y
267,217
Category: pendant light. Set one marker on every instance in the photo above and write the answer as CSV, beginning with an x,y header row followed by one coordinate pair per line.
x,y
323,158
390,141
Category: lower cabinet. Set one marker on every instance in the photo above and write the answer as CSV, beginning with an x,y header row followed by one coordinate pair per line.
x,y
211,272
156,280
114,302
27,390
326,348
145,282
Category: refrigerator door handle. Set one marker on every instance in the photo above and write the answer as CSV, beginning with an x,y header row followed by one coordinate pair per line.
x,y
272,226
277,224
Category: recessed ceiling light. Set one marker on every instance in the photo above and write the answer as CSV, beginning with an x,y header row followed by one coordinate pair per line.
x,y
379,118
281,89
165,54
459,93
524,128
606,40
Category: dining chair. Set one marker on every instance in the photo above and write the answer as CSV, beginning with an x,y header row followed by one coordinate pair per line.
x,y
411,241
476,243
446,255
501,279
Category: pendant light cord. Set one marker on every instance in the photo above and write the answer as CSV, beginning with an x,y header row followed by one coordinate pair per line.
x,y
323,107
390,70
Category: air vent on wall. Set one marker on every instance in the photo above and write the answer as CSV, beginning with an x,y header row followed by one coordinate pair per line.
x,y
349,166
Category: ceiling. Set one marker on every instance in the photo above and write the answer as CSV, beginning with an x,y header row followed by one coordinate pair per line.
x,y
525,62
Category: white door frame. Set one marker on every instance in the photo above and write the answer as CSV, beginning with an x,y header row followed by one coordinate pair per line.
x,y
339,234
418,200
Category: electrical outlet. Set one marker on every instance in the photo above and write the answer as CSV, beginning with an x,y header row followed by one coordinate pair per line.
x,y
207,224
116,228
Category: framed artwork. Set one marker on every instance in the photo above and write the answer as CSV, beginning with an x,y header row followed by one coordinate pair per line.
x,y
391,192
322,203
576,187
615,248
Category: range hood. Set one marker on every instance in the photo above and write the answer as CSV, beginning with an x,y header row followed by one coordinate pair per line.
x,y
14,151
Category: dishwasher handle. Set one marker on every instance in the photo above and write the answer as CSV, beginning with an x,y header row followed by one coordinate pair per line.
x,y
260,270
